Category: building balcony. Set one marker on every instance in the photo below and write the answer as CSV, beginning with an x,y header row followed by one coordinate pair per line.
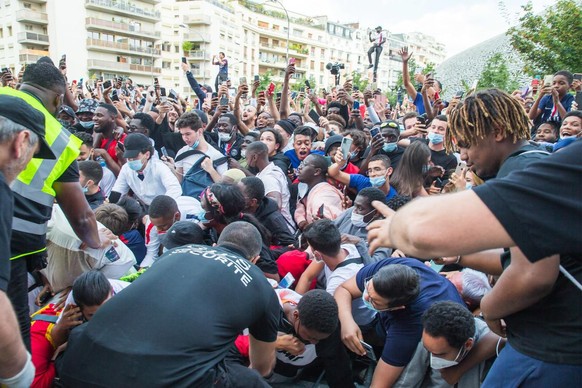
x,y
116,47
33,38
120,67
192,37
125,28
31,56
198,19
273,48
30,16
123,8
272,64
198,55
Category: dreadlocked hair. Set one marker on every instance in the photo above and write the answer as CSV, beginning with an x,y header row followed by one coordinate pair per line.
x,y
483,113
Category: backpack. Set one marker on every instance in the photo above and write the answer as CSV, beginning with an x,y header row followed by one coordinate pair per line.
x,y
196,180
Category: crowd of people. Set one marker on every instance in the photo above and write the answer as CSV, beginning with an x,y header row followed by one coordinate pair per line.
x,y
254,238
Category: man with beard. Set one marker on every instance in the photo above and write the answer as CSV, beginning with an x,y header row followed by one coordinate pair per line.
x,y
21,137
37,187
106,140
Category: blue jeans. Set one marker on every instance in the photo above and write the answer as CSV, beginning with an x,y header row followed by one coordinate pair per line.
x,y
515,369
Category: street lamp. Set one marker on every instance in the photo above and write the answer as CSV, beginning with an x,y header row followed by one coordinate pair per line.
x,y
203,50
288,27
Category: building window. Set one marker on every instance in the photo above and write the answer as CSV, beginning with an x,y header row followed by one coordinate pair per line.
x,y
135,61
27,5
122,59
28,27
166,65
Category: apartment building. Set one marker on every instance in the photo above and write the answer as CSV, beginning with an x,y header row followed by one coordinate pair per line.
x,y
100,37
147,38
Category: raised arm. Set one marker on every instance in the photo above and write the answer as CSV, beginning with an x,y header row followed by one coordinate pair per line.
x,y
405,75
284,111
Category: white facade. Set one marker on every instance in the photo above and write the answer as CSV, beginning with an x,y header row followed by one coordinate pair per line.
x,y
123,38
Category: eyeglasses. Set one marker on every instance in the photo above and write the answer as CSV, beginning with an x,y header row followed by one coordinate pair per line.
x,y
373,303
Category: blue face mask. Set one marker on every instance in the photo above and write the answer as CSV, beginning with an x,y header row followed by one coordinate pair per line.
x,y
435,138
353,155
389,147
85,189
378,181
195,144
468,186
87,124
367,303
202,216
425,168
135,165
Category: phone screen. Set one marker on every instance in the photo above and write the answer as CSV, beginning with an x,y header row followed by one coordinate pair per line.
x,y
346,145
257,78
184,60
356,105
107,84
375,131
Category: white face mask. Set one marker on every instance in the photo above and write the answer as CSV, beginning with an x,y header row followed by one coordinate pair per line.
x,y
441,363
358,219
224,137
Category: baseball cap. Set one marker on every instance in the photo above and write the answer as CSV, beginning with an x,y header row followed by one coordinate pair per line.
x,y
18,111
135,143
87,105
182,233
68,111
332,140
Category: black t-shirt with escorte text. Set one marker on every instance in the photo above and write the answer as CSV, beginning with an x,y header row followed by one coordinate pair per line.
x,y
6,210
175,323
540,209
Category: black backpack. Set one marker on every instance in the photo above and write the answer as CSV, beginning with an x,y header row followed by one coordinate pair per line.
x,y
196,179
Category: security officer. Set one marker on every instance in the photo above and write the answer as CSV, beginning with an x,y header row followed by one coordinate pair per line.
x,y
36,188
21,137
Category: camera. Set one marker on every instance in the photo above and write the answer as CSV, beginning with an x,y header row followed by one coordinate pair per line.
x,y
334,68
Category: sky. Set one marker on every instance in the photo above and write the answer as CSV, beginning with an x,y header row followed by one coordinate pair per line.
x,y
459,24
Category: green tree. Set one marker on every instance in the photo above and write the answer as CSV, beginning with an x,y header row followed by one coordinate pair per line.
x,y
300,83
358,81
265,80
496,74
549,41
187,46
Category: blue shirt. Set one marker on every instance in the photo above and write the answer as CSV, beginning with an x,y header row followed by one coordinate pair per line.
x,y
547,105
419,103
360,182
404,327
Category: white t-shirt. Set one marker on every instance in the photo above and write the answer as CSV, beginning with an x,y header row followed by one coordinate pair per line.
x,y
66,261
107,182
158,179
307,357
187,163
275,180
362,315
189,208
